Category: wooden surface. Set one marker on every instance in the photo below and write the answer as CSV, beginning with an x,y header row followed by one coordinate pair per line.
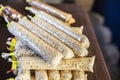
x,y
101,72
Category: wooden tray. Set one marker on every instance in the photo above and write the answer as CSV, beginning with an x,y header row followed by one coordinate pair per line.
x,y
101,72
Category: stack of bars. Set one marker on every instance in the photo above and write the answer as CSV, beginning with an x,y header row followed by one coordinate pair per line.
x,y
45,46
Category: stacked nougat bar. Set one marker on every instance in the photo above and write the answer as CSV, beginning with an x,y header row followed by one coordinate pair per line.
x,y
47,47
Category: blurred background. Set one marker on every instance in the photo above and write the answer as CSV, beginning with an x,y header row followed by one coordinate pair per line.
x,y
104,16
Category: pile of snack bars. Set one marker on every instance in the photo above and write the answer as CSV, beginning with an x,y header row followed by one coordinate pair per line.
x,y
45,46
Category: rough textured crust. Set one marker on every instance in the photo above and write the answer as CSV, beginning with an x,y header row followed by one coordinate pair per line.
x,y
41,75
67,40
48,38
52,10
53,75
47,52
85,64
66,75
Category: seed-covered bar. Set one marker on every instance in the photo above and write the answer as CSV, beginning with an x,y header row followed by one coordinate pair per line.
x,y
52,10
85,64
